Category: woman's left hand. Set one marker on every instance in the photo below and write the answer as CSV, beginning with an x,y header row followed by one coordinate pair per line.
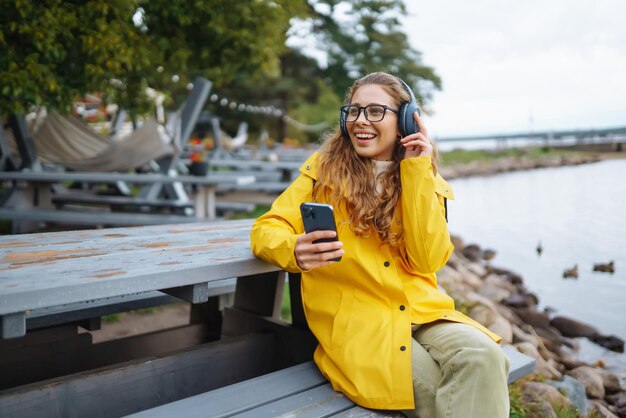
x,y
417,144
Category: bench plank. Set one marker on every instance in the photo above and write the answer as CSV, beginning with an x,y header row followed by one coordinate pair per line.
x,y
83,217
75,312
519,364
358,412
274,187
113,177
318,402
241,397
299,391
88,198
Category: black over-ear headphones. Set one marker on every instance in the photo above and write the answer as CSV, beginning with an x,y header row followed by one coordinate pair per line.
x,y
406,121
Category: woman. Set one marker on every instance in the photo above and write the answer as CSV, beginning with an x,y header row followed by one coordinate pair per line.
x,y
388,337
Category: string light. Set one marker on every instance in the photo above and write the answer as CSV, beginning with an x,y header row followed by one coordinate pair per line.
x,y
267,110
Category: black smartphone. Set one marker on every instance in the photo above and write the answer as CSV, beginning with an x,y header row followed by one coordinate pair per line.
x,y
319,217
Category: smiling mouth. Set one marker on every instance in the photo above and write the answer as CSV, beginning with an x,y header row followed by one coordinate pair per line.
x,y
364,137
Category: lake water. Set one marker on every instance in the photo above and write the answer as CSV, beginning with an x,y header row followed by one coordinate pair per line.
x,y
579,215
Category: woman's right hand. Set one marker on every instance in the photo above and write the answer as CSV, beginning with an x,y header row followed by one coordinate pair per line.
x,y
310,256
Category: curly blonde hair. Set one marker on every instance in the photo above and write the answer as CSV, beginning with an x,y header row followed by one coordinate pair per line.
x,y
345,178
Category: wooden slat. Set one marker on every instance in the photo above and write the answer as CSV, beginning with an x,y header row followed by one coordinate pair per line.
x,y
224,207
13,325
106,200
358,412
86,217
319,402
274,187
520,364
112,177
78,353
194,293
241,397
142,384
64,314
255,163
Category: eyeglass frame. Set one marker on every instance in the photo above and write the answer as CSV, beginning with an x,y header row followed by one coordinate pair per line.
x,y
363,109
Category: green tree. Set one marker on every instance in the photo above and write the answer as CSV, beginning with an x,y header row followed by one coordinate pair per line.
x,y
362,36
222,40
54,52
51,53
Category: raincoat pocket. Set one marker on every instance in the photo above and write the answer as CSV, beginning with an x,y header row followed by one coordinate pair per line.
x,y
341,320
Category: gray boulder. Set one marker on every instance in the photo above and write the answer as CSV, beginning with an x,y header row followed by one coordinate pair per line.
x,y
575,392
591,379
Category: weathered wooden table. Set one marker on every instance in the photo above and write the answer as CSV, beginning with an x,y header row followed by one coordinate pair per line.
x,y
44,271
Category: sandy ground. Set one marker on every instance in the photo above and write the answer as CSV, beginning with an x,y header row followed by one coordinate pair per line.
x,y
141,322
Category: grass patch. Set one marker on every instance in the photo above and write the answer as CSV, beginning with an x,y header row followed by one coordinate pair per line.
x,y
566,412
258,211
285,307
517,408
463,156
112,318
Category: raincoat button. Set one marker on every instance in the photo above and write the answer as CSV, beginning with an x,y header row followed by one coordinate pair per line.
x,y
402,348
308,167
387,264
402,307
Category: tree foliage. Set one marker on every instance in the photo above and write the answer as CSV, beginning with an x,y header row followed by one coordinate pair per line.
x,y
52,52
222,40
362,36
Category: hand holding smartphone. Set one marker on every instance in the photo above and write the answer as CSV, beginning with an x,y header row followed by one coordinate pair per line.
x,y
319,217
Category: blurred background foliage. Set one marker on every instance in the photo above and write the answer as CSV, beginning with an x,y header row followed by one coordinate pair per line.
x,y
295,55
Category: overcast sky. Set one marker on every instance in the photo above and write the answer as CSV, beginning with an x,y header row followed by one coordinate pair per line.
x,y
513,66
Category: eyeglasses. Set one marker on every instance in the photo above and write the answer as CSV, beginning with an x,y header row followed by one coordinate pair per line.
x,y
373,112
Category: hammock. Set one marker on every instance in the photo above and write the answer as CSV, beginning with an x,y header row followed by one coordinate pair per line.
x,y
69,142
233,144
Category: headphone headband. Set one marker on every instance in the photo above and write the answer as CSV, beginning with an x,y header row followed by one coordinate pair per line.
x,y
408,90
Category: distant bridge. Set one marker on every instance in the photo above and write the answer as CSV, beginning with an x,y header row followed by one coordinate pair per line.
x,y
570,136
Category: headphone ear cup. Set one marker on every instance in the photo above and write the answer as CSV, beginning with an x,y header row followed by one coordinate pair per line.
x,y
342,125
406,121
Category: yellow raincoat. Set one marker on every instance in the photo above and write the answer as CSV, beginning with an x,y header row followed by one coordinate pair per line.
x,y
361,308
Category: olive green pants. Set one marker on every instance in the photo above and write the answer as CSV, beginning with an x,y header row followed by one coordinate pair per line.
x,y
458,372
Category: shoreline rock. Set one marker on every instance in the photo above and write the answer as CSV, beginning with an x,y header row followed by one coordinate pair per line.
x,y
498,299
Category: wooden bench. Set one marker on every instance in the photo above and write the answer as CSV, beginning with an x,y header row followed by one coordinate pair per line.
x,y
298,391
49,282
137,204
95,218
265,170
261,175
32,199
